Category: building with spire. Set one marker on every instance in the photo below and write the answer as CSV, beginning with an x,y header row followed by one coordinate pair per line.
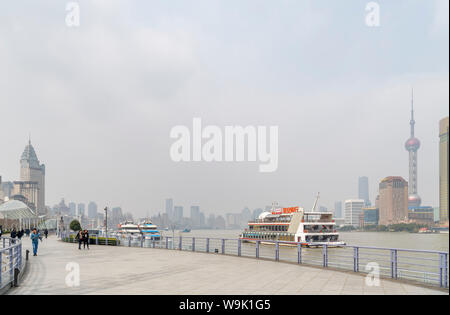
x,y
412,145
31,187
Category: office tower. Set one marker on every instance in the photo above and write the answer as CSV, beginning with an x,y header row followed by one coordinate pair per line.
x,y
178,213
32,180
81,209
412,145
353,211
195,215
92,210
371,215
73,208
363,189
443,171
169,208
338,209
393,203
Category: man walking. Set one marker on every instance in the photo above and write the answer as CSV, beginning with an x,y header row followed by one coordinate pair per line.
x,y
35,237
86,239
79,237
46,233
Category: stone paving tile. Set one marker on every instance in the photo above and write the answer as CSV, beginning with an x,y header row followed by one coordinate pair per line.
x,y
122,270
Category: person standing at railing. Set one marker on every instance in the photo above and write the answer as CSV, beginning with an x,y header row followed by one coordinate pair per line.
x,y
13,233
35,237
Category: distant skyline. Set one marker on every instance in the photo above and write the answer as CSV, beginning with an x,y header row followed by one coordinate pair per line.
x,y
99,100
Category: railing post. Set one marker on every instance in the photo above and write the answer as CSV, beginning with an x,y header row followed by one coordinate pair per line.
x,y
443,270
299,253
167,243
207,245
11,261
129,241
356,259
257,249
277,251
0,269
393,263
142,241
325,255
96,240
181,243
239,247
223,246
193,244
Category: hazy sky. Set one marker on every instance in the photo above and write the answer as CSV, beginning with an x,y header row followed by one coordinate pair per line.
x,y
100,99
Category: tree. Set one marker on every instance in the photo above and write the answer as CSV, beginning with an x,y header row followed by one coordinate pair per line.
x,y
75,225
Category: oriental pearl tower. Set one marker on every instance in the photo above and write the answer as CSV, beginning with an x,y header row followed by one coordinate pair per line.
x,y
412,145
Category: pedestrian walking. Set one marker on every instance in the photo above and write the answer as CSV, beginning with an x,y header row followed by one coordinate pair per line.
x,y
35,237
79,237
46,233
86,239
20,234
27,232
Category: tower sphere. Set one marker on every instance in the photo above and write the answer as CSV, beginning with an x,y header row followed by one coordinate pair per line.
x,y
412,144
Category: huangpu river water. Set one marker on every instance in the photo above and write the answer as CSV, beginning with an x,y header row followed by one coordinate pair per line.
x,y
403,240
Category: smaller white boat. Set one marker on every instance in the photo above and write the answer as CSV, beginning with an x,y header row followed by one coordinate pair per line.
x,y
128,230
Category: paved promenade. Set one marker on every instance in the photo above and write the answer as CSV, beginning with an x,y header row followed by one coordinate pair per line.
x,y
122,270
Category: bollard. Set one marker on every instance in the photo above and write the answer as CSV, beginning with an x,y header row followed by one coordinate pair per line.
x,y
16,277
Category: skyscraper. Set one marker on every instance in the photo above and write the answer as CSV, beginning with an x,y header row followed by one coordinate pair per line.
x,y
412,145
81,209
178,213
393,203
169,208
92,210
363,189
338,209
73,208
32,179
353,211
443,171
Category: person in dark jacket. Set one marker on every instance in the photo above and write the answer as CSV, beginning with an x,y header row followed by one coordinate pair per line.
x,y
13,233
46,233
86,239
79,237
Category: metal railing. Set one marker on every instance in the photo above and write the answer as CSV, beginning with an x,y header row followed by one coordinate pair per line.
x,y
10,259
422,266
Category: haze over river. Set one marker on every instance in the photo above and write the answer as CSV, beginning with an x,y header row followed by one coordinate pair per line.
x,y
404,240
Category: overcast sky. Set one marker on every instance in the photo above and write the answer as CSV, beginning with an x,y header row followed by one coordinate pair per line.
x,y
100,99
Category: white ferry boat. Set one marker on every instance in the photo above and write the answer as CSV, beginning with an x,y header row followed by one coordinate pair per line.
x,y
149,230
129,229
294,225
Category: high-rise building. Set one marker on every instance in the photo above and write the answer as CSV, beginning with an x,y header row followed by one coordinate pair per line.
x,y
338,209
73,208
81,209
371,215
169,208
32,180
178,213
363,189
393,203
195,215
353,211
412,145
92,210
443,171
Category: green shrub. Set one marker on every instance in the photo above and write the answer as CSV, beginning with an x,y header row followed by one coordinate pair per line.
x,y
75,225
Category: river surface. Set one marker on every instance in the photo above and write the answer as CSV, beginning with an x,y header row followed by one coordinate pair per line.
x,y
404,240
